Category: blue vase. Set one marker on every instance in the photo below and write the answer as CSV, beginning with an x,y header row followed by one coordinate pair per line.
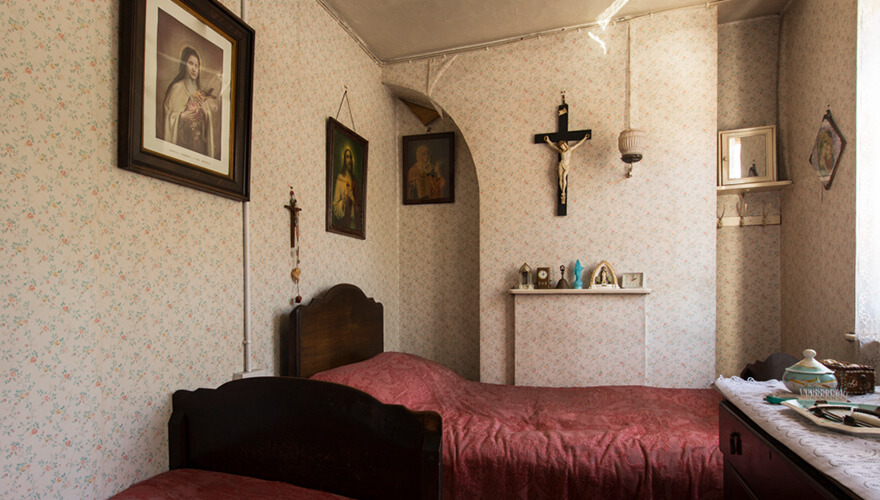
x,y
578,269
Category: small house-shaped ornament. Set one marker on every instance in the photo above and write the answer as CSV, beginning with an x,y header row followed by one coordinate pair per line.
x,y
525,278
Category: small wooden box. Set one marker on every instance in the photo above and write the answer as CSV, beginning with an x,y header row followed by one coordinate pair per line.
x,y
852,378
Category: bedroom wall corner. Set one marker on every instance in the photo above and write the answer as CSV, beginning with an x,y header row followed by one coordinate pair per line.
x,y
748,291
818,72
676,69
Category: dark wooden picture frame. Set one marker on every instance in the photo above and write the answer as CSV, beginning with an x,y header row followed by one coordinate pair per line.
x,y
346,181
827,150
184,125
428,168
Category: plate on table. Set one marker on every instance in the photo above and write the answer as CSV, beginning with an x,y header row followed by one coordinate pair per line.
x,y
796,405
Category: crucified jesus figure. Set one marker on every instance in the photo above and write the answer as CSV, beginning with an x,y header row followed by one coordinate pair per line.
x,y
564,151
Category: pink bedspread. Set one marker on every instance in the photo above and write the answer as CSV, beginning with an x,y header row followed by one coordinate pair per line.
x,y
180,484
504,441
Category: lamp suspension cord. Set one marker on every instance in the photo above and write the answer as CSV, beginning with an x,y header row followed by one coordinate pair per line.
x,y
628,69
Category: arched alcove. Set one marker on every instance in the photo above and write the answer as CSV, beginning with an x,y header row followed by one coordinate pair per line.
x,y
439,253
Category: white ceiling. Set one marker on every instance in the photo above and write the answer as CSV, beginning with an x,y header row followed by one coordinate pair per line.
x,y
395,30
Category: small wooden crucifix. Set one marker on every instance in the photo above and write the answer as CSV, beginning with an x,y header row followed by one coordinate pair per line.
x,y
294,219
561,138
294,249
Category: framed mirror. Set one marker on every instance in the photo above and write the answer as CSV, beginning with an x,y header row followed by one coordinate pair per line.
x,y
747,156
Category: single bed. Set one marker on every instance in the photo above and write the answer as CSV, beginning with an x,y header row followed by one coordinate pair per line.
x,y
504,441
282,437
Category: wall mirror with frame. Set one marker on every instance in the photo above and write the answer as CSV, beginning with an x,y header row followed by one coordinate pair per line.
x,y
747,156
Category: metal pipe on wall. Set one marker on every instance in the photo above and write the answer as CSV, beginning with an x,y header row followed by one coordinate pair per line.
x,y
245,258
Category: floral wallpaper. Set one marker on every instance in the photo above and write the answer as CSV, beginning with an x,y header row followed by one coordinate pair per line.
x,y
748,56
659,222
818,72
748,292
440,264
603,344
748,289
118,288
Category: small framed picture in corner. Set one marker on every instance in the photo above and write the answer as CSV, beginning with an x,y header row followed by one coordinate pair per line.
x,y
429,168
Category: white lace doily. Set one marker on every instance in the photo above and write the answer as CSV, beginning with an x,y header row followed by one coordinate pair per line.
x,y
853,461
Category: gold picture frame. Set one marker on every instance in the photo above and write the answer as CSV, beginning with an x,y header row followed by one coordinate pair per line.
x,y
346,181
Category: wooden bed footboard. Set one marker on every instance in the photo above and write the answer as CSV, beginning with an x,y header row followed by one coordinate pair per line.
x,y
314,434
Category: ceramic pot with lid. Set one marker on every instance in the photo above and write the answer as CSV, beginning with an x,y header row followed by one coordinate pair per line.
x,y
808,373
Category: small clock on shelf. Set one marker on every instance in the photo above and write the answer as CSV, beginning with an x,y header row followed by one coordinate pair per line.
x,y
542,277
632,280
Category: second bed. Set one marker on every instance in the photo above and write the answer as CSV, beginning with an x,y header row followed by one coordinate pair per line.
x,y
503,441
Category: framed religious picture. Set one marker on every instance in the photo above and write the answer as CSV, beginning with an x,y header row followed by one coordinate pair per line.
x,y
429,168
603,276
827,150
346,181
186,80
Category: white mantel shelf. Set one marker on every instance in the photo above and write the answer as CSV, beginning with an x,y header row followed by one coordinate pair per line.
x,y
585,291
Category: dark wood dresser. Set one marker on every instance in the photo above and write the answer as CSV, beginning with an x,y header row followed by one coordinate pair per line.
x,y
758,466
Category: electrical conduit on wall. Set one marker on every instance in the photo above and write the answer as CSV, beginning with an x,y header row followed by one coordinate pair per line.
x,y
246,264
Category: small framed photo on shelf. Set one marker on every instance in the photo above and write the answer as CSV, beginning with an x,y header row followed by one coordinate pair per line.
x,y
632,280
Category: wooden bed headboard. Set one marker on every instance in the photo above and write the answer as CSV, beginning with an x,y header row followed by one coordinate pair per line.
x,y
309,433
340,327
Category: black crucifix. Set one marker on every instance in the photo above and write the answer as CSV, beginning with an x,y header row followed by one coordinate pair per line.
x,y
561,138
